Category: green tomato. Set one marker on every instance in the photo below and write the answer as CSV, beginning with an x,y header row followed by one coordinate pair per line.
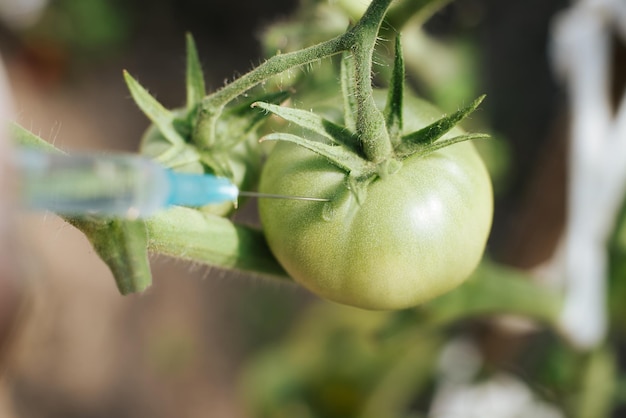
x,y
416,234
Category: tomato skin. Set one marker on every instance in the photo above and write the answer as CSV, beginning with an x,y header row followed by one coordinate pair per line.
x,y
419,232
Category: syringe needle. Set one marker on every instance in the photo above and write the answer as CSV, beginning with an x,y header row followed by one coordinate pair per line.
x,y
280,196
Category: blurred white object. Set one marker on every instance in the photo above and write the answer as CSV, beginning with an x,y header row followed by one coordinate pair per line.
x,y
502,396
581,53
459,361
19,14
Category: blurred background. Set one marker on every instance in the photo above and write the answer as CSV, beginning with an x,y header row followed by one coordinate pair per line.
x,y
202,342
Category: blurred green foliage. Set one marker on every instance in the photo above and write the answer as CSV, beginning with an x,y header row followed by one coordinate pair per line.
x,y
86,26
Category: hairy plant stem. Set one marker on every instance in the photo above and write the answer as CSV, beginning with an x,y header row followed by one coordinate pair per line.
x,y
360,40
213,105
370,122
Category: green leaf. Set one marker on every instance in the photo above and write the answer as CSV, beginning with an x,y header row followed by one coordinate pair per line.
x,y
336,154
436,130
316,124
395,97
201,237
122,245
159,115
348,87
26,138
196,89
425,150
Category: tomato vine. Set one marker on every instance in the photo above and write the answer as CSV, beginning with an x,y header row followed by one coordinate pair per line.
x,y
217,132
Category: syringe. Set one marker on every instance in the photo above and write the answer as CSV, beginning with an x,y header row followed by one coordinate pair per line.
x,y
117,185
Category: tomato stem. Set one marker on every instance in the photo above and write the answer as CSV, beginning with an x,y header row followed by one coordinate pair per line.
x,y
370,123
360,40
212,106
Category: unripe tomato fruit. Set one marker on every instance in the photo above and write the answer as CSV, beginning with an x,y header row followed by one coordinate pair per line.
x,y
417,234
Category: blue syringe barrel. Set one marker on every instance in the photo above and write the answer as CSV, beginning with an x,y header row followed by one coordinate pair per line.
x,y
112,185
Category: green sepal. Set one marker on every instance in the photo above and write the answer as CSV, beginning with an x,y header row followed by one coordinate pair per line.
x,y
235,125
312,122
348,87
122,245
336,154
425,150
395,97
196,89
415,141
159,115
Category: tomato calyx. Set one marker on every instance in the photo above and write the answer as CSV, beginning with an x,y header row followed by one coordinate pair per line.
x,y
179,148
344,147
